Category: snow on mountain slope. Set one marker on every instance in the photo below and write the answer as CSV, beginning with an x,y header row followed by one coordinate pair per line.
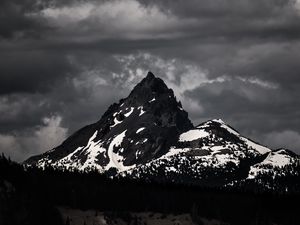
x,y
251,144
275,159
211,146
193,134
116,160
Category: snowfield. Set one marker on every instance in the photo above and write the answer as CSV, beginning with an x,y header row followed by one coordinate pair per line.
x,y
274,159
115,160
192,135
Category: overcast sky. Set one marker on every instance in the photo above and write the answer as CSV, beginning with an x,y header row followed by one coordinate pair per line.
x,y
63,62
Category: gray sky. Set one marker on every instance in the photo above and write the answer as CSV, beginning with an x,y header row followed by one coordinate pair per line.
x,y
64,62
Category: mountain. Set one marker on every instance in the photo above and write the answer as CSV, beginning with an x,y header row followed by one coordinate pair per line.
x,y
138,129
149,136
214,154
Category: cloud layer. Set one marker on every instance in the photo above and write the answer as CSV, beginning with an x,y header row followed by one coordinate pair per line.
x,y
64,62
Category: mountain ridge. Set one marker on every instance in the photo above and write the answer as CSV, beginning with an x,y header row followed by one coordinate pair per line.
x,y
149,135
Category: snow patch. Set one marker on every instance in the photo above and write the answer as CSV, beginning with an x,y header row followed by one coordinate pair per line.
x,y
115,159
192,135
277,159
218,121
116,122
230,130
137,153
128,114
274,159
92,150
152,100
174,151
223,159
140,129
259,148
141,108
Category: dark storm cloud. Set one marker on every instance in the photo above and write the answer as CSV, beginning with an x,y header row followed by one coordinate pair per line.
x,y
19,18
64,62
237,19
259,119
15,19
31,71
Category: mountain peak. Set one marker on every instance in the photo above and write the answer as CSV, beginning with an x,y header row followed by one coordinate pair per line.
x,y
149,88
152,84
150,76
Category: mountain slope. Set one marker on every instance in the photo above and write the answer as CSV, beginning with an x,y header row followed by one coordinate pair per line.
x,y
209,153
214,154
276,159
